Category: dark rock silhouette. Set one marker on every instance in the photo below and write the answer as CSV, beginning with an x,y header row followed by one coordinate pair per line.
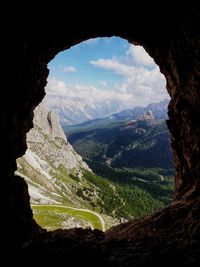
x,y
32,38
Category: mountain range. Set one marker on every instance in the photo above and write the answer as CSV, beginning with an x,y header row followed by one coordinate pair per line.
x,y
159,110
66,192
141,143
75,111
133,154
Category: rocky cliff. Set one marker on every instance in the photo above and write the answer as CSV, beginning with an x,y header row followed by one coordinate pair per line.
x,y
57,175
50,165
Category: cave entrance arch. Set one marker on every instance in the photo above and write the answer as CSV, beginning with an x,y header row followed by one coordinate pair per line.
x,y
25,55
51,167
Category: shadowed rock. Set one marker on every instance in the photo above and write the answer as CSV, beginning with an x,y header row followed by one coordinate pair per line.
x,y
170,34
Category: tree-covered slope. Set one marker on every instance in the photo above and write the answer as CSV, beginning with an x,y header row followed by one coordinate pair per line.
x,y
57,175
135,144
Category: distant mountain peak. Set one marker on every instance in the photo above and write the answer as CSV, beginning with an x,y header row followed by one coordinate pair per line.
x,y
73,111
147,116
152,113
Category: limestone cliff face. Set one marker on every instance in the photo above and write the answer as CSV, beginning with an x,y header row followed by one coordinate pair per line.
x,y
48,121
50,165
49,142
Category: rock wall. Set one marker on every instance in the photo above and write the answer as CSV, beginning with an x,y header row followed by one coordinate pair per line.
x,y
170,33
49,161
48,139
48,121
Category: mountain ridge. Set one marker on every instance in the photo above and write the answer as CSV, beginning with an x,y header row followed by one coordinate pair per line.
x,y
49,155
159,110
57,175
135,143
76,112
73,111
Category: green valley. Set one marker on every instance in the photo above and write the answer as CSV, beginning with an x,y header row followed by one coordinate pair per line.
x,y
57,179
118,172
133,157
53,217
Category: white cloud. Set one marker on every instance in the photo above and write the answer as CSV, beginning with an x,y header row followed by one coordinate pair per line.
x,y
69,69
103,83
144,84
139,56
83,93
55,87
114,65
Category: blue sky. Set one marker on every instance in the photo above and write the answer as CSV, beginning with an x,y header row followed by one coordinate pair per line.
x,y
104,69
74,65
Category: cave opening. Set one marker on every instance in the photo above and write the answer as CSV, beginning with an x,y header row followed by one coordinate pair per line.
x,y
109,99
170,34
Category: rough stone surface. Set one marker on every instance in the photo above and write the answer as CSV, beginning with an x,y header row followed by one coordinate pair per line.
x,y
48,139
170,34
49,162
17,224
48,121
161,239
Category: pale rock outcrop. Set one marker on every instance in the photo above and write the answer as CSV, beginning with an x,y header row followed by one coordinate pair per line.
x,y
48,140
50,163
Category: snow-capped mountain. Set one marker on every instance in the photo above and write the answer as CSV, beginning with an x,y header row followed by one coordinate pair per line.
x,y
159,111
74,110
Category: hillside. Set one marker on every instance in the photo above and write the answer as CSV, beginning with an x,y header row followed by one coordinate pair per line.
x,y
50,161
136,155
58,176
143,143
159,110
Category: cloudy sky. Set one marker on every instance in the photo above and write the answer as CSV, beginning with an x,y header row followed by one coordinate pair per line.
x,y
106,69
